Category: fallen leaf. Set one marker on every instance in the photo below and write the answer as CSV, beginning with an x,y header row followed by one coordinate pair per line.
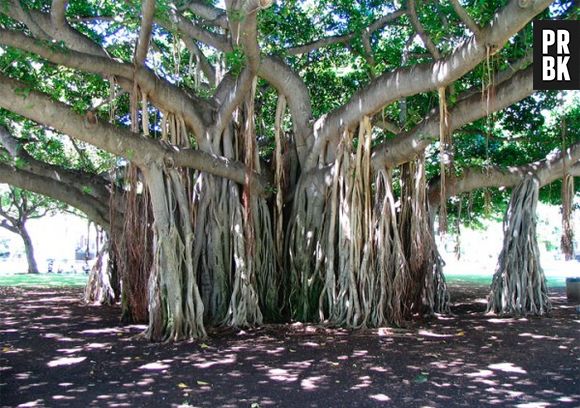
x,y
202,383
421,378
182,385
204,346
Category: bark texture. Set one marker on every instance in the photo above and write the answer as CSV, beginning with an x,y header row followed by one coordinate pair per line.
x,y
519,286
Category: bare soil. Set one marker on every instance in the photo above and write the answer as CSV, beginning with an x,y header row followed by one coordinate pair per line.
x,y
55,352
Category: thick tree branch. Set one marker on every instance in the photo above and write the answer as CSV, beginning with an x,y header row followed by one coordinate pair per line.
x,y
211,15
287,82
321,43
97,211
386,125
57,12
71,37
546,170
502,76
338,39
183,25
147,13
407,145
100,65
244,37
89,183
140,150
420,30
18,13
195,111
403,82
201,60
465,17
280,76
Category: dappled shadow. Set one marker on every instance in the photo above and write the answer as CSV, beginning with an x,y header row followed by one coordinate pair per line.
x,y
57,352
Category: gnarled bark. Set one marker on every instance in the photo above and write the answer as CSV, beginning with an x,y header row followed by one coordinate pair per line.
x,y
519,286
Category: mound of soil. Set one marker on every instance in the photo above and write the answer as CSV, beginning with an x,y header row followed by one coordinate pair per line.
x,y
55,351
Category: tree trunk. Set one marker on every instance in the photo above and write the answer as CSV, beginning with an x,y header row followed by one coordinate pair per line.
x,y
29,249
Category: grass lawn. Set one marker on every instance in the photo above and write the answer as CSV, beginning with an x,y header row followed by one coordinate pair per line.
x,y
56,280
553,281
43,280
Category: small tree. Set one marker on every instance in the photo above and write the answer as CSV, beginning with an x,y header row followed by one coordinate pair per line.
x,y
17,207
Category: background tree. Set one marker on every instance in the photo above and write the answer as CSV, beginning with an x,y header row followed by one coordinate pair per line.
x,y
17,207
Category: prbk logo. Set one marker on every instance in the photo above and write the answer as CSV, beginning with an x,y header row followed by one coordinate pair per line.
x,y
556,54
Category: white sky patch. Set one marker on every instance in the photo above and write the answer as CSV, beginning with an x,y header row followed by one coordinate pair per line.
x,y
569,99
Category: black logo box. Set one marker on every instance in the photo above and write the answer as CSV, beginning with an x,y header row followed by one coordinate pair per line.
x,y
573,65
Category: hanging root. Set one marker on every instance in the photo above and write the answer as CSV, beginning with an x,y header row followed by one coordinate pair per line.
x,y
426,291
280,179
99,289
435,297
567,241
330,240
355,234
444,158
391,267
256,281
519,286
176,308
135,243
353,264
306,245
412,227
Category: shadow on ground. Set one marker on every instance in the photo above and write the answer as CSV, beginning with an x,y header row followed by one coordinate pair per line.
x,y
58,352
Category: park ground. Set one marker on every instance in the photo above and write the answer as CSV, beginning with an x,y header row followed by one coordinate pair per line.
x,y
58,352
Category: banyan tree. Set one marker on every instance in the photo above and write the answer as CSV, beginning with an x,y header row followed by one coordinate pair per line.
x,y
256,161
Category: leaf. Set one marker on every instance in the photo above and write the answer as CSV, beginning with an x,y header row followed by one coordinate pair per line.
x,y
421,378
182,385
204,346
202,383
460,333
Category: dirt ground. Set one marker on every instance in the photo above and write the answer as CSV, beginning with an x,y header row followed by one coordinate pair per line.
x,y
58,352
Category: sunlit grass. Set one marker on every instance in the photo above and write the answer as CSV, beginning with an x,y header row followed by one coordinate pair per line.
x,y
55,280
485,280
43,280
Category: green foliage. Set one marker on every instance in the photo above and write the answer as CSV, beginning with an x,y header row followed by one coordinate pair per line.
x,y
235,61
22,205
